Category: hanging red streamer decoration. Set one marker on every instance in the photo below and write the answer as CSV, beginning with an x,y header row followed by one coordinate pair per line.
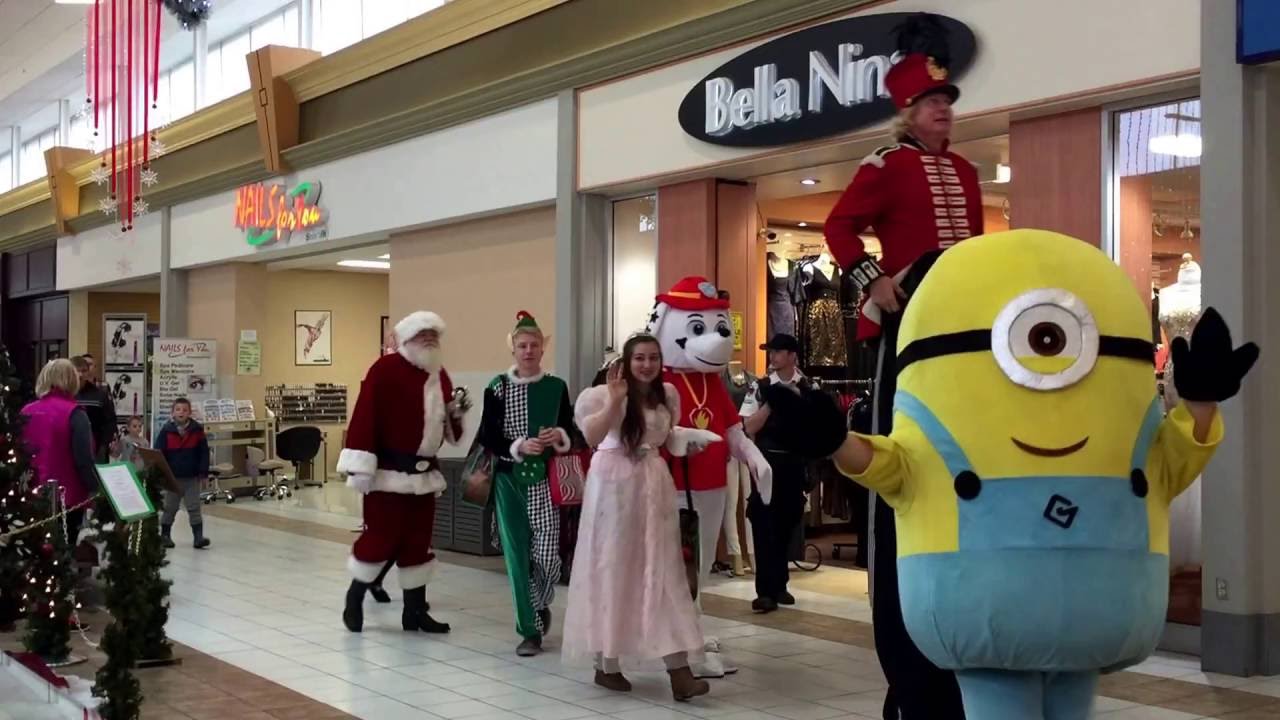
x,y
125,99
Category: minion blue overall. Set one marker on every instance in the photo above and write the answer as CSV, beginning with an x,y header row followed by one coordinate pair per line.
x,y
1031,467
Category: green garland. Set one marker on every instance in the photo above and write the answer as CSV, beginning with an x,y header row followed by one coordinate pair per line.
x,y
114,681
153,589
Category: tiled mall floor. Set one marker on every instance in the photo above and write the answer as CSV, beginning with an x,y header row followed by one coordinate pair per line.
x,y
268,601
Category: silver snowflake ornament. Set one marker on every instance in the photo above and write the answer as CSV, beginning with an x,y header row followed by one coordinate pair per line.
x,y
107,206
100,175
148,177
140,207
158,148
124,267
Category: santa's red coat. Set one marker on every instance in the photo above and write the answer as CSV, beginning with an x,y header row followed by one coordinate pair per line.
x,y
401,409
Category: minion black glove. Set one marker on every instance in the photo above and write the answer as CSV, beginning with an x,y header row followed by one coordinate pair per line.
x,y
1207,369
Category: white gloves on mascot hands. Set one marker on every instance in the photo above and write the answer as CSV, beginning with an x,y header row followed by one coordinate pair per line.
x,y
690,441
741,447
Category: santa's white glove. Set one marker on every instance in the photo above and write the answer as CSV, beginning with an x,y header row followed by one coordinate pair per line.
x,y
689,441
362,482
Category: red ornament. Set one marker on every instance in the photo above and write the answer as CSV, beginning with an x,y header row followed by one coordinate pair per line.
x,y
124,43
46,549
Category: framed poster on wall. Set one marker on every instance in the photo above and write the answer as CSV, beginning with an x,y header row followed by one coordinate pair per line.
x,y
126,388
124,339
313,337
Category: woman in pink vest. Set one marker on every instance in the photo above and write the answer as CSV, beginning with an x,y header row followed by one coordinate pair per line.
x,y
58,436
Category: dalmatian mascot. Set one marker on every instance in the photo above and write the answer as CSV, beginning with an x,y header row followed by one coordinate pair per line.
x,y
691,323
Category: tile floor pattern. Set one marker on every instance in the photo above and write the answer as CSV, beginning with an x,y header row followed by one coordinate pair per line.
x,y
266,598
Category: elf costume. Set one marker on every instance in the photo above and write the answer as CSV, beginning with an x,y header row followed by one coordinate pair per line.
x,y
516,409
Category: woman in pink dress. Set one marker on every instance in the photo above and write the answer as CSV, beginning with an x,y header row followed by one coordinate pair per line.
x,y
629,599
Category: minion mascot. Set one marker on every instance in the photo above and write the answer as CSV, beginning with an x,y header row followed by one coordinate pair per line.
x,y
691,323
1031,468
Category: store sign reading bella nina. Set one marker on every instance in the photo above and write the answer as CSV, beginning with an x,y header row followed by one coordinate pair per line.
x,y
817,82
272,214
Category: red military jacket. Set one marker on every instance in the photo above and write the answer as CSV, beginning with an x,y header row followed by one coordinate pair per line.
x,y
915,200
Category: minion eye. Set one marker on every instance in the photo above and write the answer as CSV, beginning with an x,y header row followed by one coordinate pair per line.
x,y
1045,340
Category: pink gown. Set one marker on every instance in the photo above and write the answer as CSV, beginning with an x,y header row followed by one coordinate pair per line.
x,y
629,598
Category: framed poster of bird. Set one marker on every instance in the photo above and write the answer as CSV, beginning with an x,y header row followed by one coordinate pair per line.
x,y
313,337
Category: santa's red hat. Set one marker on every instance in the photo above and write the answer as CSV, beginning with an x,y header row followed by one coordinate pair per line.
x,y
694,293
415,323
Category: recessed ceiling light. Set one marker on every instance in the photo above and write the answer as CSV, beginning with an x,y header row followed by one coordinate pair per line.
x,y
786,234
367,264
810,181
385,257
803,224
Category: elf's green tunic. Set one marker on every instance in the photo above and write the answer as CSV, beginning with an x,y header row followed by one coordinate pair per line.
x,y
516,409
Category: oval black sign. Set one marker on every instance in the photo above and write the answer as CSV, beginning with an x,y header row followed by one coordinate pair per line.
x,y
821,81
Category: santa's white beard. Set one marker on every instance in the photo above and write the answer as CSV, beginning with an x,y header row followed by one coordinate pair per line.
x,y
422,356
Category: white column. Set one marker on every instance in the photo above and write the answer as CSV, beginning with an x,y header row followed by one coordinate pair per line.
x,y
1240,214
307,24
15,150
64,123
200,45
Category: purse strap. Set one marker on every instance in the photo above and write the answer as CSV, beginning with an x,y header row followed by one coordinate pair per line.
x,y
688,482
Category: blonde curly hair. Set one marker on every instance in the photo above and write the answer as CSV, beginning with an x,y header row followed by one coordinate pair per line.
x,y
59,374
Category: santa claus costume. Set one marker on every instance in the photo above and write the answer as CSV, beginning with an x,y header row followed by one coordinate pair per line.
x,y
403,415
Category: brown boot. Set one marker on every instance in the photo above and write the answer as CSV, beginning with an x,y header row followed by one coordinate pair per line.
x,y
613,681
685,686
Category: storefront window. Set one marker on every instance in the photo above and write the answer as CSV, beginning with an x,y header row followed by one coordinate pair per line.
x,y
1156,195
635,264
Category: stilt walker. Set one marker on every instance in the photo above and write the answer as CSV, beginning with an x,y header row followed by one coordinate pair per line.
x,y
527,420
920,198
405,412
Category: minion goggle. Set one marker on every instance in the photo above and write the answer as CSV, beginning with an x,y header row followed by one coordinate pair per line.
x,y
1045,339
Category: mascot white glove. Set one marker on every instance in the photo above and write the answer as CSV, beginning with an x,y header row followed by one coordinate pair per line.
x,y
362,482
741,447
685,441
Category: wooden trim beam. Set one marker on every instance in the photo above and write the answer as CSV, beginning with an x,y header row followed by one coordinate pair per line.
x,y
62,184
276,104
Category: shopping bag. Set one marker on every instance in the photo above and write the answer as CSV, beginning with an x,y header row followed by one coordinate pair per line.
x,y
477,476
568,477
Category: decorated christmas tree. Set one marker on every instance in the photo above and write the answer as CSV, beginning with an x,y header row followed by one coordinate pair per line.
x,y
17,548
50,579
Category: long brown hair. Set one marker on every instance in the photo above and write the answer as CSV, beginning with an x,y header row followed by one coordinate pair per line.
x,y
640,396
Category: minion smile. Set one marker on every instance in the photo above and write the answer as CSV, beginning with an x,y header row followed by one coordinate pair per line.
x,y
1050,452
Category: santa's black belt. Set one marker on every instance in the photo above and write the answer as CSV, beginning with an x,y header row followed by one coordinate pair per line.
x,y
406,462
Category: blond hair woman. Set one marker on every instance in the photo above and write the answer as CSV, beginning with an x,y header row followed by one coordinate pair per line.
x,y
57,433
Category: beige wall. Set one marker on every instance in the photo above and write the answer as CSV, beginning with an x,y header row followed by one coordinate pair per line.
x,y
357,300
477,275
225,299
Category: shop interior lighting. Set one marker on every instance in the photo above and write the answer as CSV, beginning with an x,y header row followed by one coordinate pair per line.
x,y
802,224
1179,145
810,181
385,257
1004,173
366,264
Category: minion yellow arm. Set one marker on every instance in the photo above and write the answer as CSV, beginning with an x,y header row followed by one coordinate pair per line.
x,y
1186,440
873,461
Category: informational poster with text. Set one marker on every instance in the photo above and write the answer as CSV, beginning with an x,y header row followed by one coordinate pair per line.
x,y
182,368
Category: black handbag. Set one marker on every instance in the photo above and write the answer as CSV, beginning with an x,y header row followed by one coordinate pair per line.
x,y
690,546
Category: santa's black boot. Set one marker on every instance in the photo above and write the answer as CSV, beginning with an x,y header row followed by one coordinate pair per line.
x,y
415,615
353,613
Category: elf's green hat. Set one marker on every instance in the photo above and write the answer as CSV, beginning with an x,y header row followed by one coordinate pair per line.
x,y
525,322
